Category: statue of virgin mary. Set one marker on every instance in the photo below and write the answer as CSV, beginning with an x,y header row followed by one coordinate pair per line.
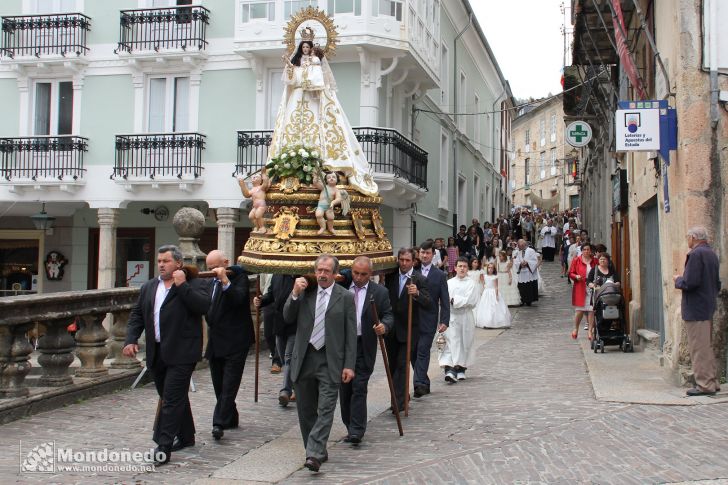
x,y
310,115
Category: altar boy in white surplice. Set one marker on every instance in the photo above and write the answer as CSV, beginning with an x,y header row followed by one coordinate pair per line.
x,y
457,353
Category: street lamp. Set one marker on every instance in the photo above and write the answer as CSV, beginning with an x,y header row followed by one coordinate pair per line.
x,y
42,220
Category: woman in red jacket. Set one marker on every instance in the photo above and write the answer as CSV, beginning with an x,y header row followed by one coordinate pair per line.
x,y
580,300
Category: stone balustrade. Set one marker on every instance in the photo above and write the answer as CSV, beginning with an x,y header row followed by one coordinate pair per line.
x,y
52,313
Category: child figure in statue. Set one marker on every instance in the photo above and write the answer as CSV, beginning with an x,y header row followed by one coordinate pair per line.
x,y
330,197
261,184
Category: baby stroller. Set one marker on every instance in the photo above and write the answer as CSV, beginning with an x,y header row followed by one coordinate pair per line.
x,y
610,327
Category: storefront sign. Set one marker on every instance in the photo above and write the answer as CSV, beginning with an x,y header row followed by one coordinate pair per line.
x,y
638,129
137,273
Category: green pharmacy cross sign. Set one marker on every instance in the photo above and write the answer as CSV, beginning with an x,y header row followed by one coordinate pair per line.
x,y
578,134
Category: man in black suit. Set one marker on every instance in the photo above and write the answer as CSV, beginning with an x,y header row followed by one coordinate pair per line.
x,y
229,337
280,287
324,354
169,311
400,285
353,395
431,321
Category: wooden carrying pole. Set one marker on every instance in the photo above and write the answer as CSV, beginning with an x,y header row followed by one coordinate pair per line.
x,y
257,338
385,357
409,350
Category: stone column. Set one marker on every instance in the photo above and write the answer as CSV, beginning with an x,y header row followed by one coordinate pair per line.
x,y
56,348
91,346
108,221
226,219
14,360
118,336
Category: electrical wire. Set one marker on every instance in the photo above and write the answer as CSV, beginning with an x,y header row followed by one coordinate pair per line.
x,y
517,107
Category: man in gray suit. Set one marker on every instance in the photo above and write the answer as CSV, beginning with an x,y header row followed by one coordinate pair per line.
x,y
324,354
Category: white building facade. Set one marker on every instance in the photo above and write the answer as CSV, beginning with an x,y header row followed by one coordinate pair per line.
x,y
117,114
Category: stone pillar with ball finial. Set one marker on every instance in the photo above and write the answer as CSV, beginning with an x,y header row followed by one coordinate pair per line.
x,y
189,223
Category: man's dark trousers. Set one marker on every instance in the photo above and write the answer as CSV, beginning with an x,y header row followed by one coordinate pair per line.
x,y
226,373
175,415
353,396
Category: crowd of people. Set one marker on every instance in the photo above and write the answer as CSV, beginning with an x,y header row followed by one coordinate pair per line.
x,y
327,326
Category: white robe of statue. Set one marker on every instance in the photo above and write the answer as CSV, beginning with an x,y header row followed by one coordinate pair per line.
x,y
310,114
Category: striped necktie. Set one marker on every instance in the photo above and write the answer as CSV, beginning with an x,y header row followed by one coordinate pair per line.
x,y
319,329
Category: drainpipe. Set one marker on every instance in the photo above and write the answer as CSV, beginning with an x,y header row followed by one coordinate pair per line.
x,y
456,119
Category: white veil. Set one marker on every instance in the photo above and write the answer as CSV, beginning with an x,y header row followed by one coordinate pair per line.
x,y
329,79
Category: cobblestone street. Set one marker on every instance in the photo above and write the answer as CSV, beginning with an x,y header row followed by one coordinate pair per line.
x,y
526,414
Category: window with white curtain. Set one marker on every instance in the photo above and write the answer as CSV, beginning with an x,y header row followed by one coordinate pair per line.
x,y
553,161
257,10
542,165
444,169
553,128
168,108
290,7
44,7
476,121
542,131
391,8
53,108
344,6
444,76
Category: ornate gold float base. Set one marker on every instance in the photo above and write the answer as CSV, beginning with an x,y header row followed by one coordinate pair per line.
x,y
292,243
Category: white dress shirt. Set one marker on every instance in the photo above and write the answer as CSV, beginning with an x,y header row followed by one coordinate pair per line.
x,y
403,280
360,301
159,298
425,270
321,293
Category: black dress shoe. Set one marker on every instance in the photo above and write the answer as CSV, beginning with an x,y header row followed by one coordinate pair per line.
x,y
162,455
419,391
312,464
354,439
177,444
697,392
217,432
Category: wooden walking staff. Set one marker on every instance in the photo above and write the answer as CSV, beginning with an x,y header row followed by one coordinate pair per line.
x,y
409,349
385,357
257,337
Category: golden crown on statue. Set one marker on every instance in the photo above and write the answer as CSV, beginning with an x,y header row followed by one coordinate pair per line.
x,y
308,34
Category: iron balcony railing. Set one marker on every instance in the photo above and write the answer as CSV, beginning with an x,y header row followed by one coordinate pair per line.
x,y
38,35
387,151
156,155
163,28
48,157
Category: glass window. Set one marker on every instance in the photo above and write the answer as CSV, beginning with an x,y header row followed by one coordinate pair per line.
x,y
18,266
542,165
65,108
53,111
527,166
290,7
553,160
42,109
391,8
257,10
168,104
344,6
542,131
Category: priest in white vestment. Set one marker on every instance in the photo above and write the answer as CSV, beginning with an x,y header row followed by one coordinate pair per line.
x,y
457,354
526,263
